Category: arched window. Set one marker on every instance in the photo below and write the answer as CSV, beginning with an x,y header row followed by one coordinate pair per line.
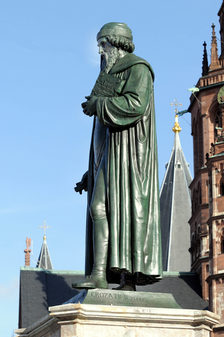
x,y
222,186
218,125
199,193
218,119
194,201
222,243
200,142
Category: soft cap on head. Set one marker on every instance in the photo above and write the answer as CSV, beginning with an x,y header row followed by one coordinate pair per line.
x,y
117,29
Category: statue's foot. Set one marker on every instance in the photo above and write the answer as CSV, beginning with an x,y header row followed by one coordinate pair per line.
x,y
126,282
126,287
91,283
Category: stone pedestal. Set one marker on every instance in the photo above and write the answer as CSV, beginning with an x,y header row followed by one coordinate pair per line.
x,y
89,320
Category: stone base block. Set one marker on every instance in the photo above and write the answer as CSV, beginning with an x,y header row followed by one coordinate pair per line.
x,y
88,320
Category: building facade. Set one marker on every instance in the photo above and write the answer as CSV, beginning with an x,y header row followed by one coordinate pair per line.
x,y
207,187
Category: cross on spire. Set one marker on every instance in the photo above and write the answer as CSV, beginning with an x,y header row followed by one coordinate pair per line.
x,y
45,227
176,104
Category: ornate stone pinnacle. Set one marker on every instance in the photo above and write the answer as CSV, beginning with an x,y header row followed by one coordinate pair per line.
x,y
215,64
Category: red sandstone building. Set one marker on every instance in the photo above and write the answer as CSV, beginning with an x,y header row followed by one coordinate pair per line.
x,y
207,187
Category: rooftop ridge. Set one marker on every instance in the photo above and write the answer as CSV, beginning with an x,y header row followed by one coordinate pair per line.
x,y
52,271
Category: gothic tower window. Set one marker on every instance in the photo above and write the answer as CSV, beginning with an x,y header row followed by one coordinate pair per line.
x,y
195,138
199,193
218,119
222,242
218,124
200,145
222,186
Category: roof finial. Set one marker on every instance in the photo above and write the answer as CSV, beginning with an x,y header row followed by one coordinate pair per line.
x,y
27,252
205,61
215,64
176,128
45,227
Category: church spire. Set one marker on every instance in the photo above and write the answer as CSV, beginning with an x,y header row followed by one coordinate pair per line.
x,y
215,64
44,260
175,207
205,67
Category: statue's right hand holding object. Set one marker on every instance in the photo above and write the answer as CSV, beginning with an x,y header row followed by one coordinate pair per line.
x,y
83,184
89,107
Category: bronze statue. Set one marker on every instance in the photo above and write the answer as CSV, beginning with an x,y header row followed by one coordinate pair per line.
x,y
123,226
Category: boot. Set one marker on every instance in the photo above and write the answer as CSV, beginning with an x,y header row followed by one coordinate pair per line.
x,y
97,279
126,282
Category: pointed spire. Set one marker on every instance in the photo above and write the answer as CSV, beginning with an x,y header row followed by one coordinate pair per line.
x,y
44,260
205,60
175,208
215,64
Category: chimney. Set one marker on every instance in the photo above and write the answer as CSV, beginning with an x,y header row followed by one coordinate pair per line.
x,y
27,252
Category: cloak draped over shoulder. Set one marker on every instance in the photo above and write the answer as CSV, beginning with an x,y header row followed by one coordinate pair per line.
x,y
125,106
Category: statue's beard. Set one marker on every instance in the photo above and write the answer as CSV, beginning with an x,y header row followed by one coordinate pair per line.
x,y
109,58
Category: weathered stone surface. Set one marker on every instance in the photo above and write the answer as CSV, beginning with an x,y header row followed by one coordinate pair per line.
x,y
81,320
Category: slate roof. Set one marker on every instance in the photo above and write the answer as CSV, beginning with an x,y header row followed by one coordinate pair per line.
x,y
175,211
41,288
44,260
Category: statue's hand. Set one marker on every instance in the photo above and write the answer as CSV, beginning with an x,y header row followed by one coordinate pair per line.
x,y
89,107
83,184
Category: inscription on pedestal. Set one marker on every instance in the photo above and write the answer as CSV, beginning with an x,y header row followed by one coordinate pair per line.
x,y
125,298
108,297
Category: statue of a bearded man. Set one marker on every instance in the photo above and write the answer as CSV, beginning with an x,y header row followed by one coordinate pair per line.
x,y
123,226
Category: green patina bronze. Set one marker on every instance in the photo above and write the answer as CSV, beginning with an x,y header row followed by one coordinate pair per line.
x,y
116,29
123,222
125,298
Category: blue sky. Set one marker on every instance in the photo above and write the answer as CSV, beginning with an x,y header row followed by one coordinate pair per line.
x,y
49,62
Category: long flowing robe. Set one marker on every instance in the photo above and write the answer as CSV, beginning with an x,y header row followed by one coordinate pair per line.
x,y
125,107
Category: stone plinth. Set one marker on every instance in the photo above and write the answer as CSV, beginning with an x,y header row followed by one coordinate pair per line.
x,y
88,320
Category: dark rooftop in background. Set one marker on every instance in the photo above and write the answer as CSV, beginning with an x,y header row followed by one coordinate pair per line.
x,y
41,288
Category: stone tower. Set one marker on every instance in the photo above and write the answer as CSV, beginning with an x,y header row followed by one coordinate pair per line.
x,y
207,187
